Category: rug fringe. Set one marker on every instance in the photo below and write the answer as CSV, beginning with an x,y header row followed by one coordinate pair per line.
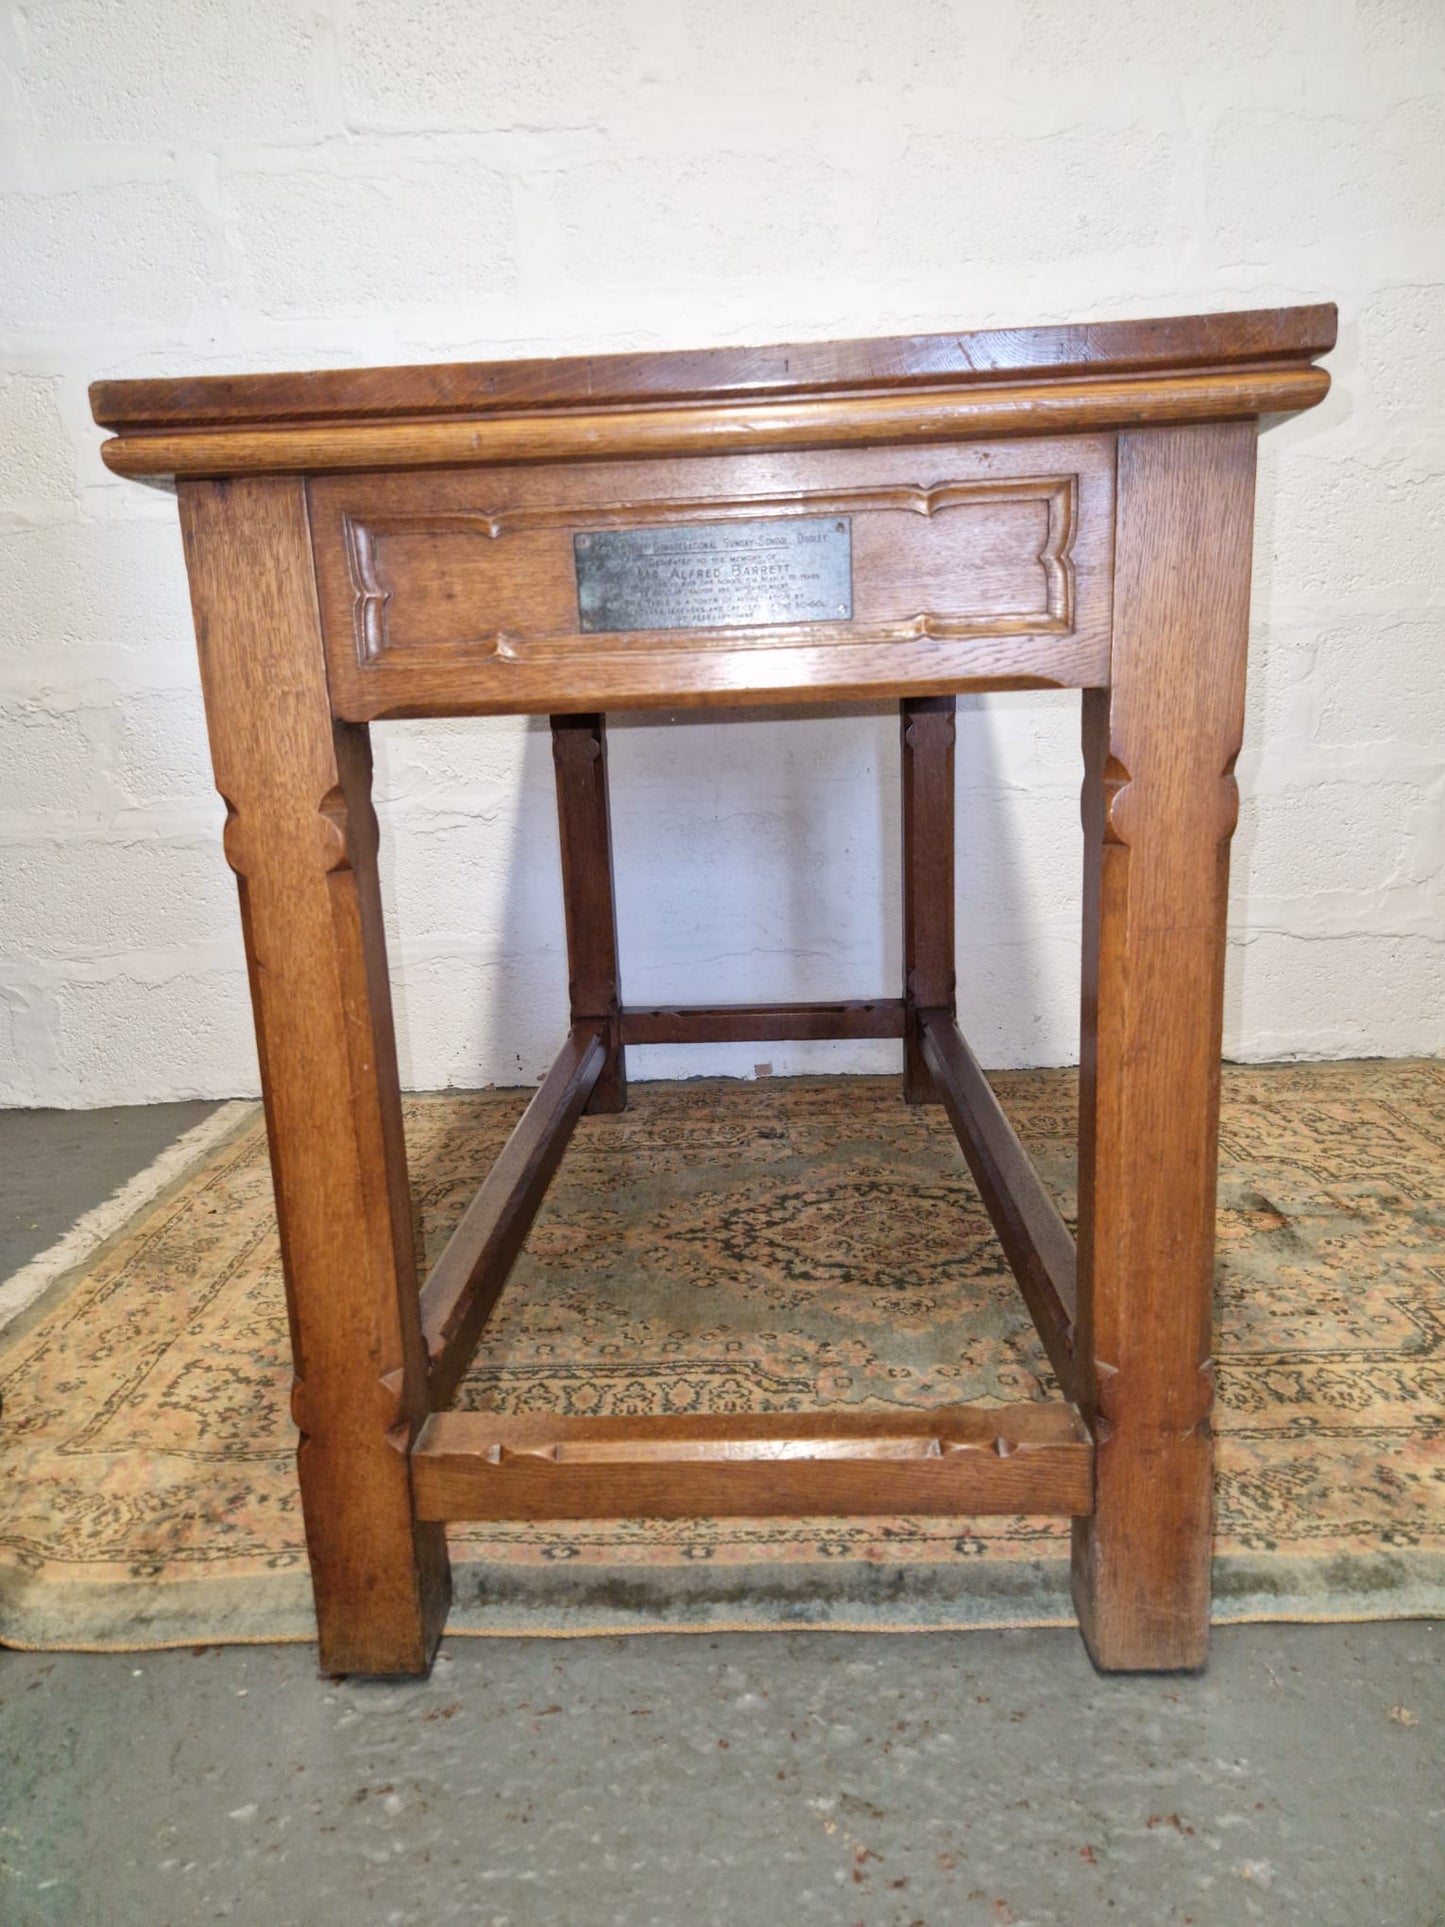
x,y
1049,1623
22,1288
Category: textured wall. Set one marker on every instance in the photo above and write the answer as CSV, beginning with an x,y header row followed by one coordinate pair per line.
x,y
196,184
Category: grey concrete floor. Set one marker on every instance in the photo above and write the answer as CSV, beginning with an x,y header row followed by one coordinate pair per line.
x,y
820,1778
56,1164
980,1777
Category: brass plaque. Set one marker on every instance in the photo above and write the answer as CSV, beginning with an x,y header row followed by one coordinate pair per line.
x,y
715,575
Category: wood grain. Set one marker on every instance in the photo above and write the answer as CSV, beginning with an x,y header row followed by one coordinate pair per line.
x,y
926,730
1160,804
1034,1237
762,1023
1034,408
975,555
1259,336
456,593
466,1281
584,821
954,1461
302,837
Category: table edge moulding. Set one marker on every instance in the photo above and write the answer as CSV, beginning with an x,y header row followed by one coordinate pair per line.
x,y
903,519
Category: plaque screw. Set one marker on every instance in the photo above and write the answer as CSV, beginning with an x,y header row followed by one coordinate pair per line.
x,y
584,541
839,526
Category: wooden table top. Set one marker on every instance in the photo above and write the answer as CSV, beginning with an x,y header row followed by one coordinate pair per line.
x,y
910,388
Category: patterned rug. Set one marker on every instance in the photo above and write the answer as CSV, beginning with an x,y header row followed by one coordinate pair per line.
x,y
721,1246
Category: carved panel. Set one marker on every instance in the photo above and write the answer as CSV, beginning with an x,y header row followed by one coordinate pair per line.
x,y
465,581
959,559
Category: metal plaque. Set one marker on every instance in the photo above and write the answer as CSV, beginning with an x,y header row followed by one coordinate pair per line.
x,y
715,575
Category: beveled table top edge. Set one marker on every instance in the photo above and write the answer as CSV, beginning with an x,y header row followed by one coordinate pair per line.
x,y
1255,338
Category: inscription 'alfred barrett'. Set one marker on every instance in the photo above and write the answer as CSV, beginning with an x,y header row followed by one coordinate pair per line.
x,y
715,575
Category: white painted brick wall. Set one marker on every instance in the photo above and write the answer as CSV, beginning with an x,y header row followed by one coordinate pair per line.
x,y
199,185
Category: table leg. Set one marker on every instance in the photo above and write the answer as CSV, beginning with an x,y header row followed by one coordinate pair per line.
x,y
584,819
301,836
927,731
1159,806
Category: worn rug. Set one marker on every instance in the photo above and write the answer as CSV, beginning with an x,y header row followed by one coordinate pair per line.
x,y
726,1246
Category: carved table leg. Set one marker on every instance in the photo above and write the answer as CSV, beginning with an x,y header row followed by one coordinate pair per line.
x,y
579,751
302,839
1159,809
928,855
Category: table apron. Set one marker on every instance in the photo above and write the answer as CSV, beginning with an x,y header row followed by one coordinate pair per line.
x,y
978,565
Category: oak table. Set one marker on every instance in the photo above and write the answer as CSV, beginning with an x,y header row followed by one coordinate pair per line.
x,y
906,518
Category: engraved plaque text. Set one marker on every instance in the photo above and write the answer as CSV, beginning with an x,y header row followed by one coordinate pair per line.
x,y
715,575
